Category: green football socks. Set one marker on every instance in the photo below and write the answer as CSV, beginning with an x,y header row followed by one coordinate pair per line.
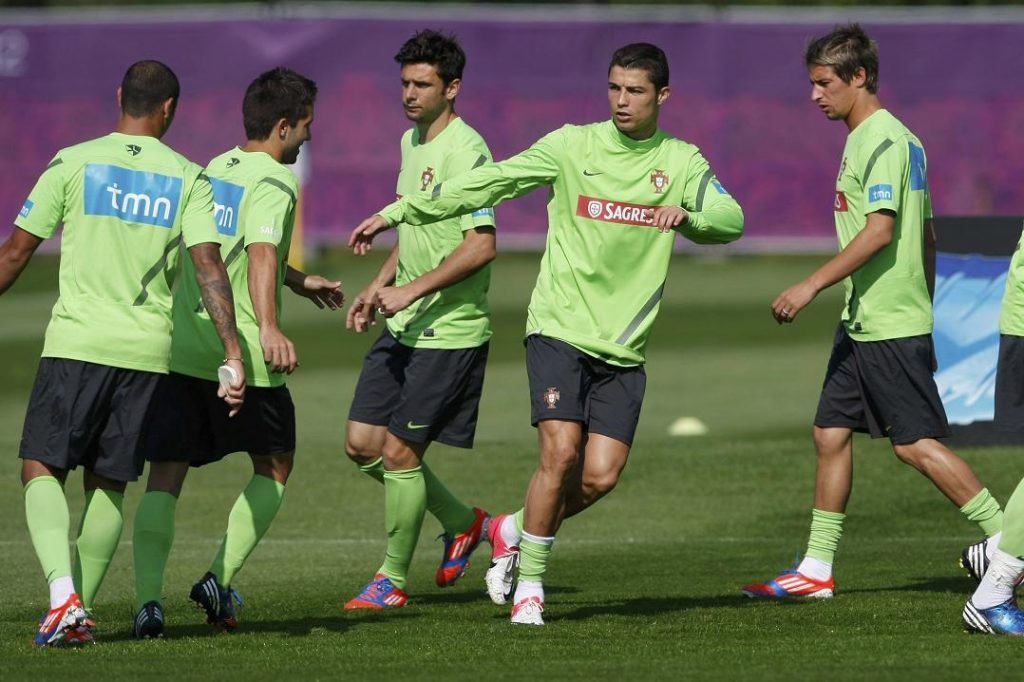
x,y
534,552
405,503
46,511
984,511
151,543
453,514
1012,541
826,530
250,517
98,535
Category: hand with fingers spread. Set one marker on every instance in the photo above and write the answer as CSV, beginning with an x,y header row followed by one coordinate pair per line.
x,y
323,292
361,239
234,393
278,350
791,301
666,218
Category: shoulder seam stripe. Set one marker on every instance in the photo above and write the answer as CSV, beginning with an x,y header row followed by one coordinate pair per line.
x,y
156,269
235,252
55,162
274,182
480,161
879,150
705,180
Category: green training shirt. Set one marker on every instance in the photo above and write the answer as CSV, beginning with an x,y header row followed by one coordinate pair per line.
x,y
1011,314
457,316
884,167
126,202
254,202
604,266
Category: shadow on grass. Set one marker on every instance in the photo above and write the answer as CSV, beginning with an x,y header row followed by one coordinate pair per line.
x,y
652,606
473,597
946,584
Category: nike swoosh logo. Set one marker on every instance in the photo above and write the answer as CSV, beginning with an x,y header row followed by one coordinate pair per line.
x,y
591,174
415,427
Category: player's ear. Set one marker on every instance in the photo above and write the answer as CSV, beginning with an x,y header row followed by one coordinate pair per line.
x,y
860,78
452,91
281,128
119,97
168,108
663,95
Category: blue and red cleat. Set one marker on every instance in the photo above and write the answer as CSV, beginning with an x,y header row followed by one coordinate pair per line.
x,y
791,584
379,593
458,548
67,624
1001,619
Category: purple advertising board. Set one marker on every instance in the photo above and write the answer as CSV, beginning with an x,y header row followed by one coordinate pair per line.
x,y
739,91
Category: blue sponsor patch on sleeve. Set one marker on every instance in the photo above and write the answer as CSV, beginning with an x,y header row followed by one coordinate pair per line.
x,y
918,174
27,208
718,186
227,204
483,213
878,193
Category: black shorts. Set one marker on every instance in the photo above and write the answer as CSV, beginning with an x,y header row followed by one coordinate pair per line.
x,y
421,394
884,388
1010,384
187,422
566,383
90,415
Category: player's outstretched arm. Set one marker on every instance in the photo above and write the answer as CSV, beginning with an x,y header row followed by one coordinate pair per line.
x,y
875,236
15,253
476,250
278,350
324,293
361,239
712,215
212,278
361,314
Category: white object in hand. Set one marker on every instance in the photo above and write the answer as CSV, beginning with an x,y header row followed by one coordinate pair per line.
x,y
227,375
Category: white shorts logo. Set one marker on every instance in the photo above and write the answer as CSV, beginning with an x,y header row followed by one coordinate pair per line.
x,y
594,208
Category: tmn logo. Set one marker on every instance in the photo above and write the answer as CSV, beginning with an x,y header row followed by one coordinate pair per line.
x,y
133,196
227,202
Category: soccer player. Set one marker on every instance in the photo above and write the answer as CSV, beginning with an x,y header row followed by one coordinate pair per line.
x,y
618,189
998,561
254,199
421,380
127,203
879,378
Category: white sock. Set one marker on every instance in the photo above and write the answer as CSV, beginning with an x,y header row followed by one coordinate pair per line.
x,y
815,568
60,590
999,581
992,545
509,533
528,588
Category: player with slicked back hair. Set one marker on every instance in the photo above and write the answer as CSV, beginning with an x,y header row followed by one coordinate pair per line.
x,y
255,198
619,191
128,204
879,378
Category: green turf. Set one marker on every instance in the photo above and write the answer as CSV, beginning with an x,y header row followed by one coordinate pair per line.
x,y
644,585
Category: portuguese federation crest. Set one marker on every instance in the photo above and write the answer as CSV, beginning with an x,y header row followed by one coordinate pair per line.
x,y
427,178
659,180
551,397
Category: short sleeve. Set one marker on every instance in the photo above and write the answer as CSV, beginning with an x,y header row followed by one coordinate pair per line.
x,y
197,223
464,161
882,179
271,207
44,208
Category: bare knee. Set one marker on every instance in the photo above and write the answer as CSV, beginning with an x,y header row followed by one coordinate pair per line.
x,y
32,469
276,467
830,442
916,454
599,483
364,443
559,459
166,477
92,481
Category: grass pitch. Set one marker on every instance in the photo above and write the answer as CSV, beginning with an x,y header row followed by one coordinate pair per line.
x,y
643,586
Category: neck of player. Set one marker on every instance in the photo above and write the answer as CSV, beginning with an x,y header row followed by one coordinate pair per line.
x,y
865,105
428,130
149,126
267,146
